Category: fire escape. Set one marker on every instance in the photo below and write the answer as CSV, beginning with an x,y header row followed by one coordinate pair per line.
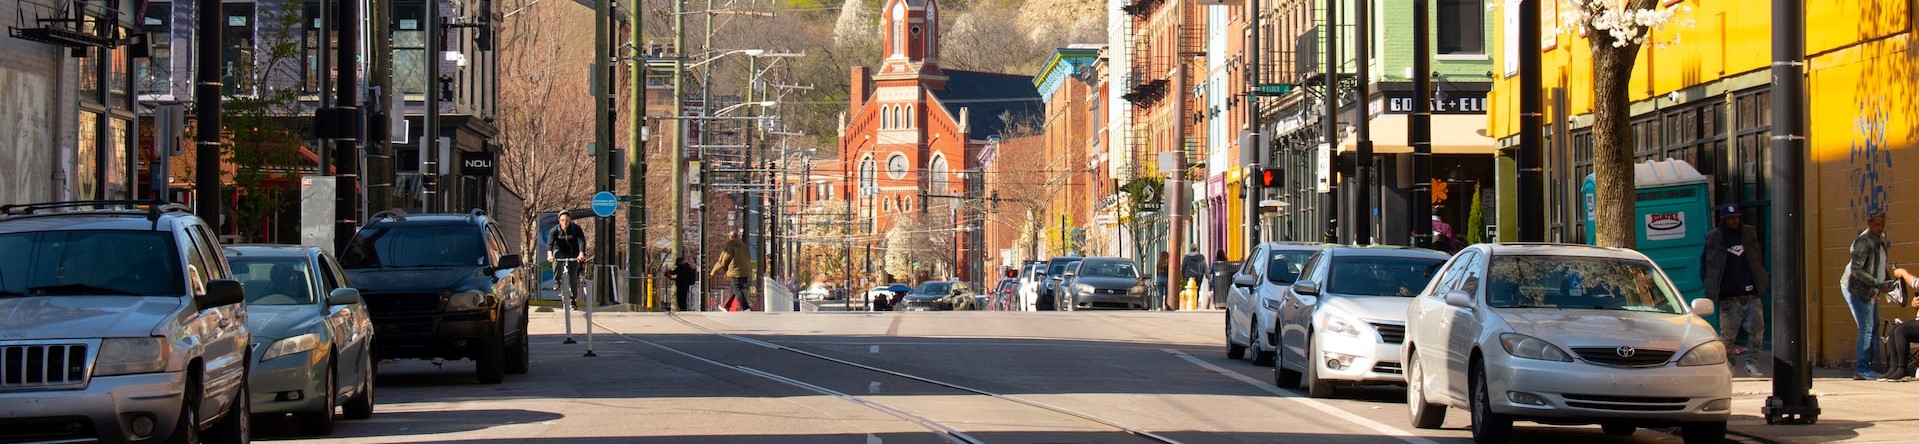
x,y
1145,78
1191,34
74,24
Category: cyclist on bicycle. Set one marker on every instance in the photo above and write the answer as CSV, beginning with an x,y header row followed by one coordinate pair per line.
x,y
567,242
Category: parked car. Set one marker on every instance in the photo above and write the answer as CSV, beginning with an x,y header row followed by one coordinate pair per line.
x,y
1343,321
1030,275
1102,282
1253,299
314,339
442,286
1005,295
926,297
815,292
119,322
1048,282
1564,334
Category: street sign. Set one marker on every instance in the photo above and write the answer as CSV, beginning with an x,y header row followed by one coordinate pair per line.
x,y
1274,89
604,203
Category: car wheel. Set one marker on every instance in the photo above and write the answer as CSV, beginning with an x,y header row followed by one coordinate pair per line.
x,y
1424,415
1259,342
1315,387
235,427
321,422
187,429
1233,351
1616,428
1704,432
519,360
491,368
1283,377
360,406
1489,427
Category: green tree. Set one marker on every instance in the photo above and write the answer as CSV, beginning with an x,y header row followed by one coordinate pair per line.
x,y
1616,29
266,125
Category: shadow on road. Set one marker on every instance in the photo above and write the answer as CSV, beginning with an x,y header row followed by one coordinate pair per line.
x,y
408,423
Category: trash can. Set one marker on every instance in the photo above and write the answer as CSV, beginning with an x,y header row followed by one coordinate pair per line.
x,y
1223,281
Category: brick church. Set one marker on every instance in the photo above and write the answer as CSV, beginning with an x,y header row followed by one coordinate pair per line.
x,y
915,135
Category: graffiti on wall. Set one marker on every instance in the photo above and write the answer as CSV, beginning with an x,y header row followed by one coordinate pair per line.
x,y
1871,157
26,137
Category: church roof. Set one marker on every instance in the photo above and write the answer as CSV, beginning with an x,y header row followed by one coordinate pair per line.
x,y
991,99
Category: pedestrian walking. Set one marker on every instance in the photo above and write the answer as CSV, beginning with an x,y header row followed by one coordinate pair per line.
x,y
566,246
1192,268
1159,277
1860,284
683,276
1733,271
733,263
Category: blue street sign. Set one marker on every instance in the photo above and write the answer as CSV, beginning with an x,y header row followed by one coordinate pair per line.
x,y
604,203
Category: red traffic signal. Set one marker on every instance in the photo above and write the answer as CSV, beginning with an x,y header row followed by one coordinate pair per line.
x,y
1012,273
1270,177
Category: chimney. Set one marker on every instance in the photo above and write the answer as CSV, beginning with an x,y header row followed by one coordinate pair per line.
x,y
861,77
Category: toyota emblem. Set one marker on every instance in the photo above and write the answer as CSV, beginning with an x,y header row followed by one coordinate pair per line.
x,y
1625,351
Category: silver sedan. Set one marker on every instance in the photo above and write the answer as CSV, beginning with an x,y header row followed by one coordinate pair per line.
x,y
1564,334
311,334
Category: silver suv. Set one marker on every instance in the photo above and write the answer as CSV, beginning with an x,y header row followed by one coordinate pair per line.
x,y
119,322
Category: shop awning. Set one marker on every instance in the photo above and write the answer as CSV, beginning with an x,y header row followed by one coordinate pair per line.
x,y
1452,134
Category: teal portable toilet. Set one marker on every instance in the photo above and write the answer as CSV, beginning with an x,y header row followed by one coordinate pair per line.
x,y
1674,214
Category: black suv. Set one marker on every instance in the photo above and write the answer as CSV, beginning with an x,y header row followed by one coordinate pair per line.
x,y
442,286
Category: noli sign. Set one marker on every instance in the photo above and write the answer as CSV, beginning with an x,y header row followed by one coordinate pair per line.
x,y
476,163
1663,226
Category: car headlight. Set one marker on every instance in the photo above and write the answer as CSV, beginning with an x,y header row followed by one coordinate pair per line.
x,y
1084,289
1334,323
288,346
126,356
1137,290
1532,348
1709,353
466,300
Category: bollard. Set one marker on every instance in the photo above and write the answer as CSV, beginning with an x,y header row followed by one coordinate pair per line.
x,y
589,316
568,292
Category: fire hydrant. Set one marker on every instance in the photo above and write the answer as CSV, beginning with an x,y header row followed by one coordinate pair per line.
x,y
1188,297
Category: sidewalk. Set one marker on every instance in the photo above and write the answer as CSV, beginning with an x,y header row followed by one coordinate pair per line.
x,y
1850,411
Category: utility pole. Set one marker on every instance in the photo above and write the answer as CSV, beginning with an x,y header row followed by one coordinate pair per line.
x,y
430,144
678,155
206,94
378,158
1329,200
1419,128
750,220
706,178
1791,401
1532,181
1255,155
636,167
1363,166
604,103
349,124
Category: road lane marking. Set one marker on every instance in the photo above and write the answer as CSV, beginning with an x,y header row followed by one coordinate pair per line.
x,y
873,387
871,439
875,349
1329,409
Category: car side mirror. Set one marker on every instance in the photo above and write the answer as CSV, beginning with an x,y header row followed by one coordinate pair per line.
x,y
508,261
343,296
1702,307
221,292
1459,298
1070,275
1245,280
1306,288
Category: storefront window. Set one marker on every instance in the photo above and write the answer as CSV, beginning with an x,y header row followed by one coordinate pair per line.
x,y
117,155
409,46
86,161
236,76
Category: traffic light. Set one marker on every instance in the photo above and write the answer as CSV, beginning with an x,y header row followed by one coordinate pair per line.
x,y
1270,177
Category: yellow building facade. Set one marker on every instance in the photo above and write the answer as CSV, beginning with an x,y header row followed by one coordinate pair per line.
x,y
1700,92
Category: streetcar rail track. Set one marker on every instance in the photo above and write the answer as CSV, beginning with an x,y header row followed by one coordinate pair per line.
x,y
946,432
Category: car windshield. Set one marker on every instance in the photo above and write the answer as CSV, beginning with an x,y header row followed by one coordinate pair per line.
x,y
90,262
1381,275
1059,267
1579,283
1108,269
1283,266
273,280
938,288
414,246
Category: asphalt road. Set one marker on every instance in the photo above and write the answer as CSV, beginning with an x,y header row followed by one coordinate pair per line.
x,y
889,377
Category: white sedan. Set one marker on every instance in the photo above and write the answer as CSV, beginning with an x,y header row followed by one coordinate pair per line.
x,y
1343,322
1564,334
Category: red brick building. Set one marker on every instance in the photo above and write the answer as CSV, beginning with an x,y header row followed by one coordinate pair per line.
x,y
915,132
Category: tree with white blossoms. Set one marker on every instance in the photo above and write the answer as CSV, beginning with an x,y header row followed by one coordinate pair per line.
x,y
1616,29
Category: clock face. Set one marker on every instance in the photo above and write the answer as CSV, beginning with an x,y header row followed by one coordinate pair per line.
x,y
896,167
